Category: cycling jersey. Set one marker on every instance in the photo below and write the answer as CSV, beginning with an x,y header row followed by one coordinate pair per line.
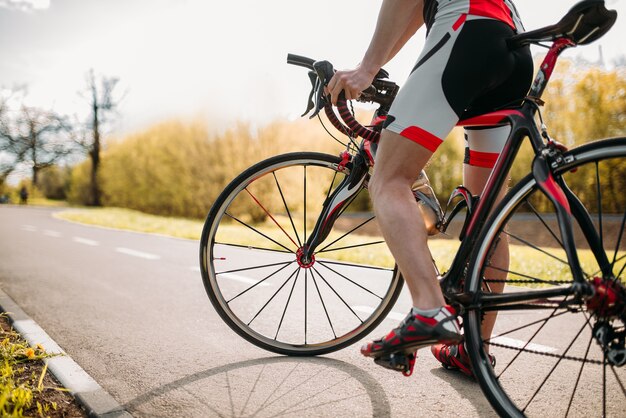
x,y
464,69
503,10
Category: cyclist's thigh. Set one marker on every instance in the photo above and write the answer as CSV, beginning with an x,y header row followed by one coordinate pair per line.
x,y
464,57
482,148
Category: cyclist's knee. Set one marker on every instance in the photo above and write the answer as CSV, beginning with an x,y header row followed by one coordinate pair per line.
x,y
383,187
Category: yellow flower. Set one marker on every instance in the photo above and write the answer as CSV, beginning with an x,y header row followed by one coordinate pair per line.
x,y
30,353
40,347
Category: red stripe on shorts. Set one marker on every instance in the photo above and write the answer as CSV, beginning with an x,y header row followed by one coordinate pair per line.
x,y
483,159
422,137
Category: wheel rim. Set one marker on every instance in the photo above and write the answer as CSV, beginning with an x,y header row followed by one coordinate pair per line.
x,y
548,358
263,286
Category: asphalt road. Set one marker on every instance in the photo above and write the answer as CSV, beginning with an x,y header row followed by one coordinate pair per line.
x,y
131,309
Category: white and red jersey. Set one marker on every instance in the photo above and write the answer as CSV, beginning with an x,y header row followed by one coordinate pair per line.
x,y
503,10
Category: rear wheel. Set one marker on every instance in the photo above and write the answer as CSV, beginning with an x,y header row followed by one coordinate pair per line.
x,y
255,277
557,355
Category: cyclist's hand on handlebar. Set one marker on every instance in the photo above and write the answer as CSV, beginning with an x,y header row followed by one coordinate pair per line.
x,y
352,82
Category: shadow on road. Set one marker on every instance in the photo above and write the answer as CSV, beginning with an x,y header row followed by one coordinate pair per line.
x,y
467,388
271,387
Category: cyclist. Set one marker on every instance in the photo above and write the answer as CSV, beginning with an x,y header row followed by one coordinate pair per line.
x,y
464,69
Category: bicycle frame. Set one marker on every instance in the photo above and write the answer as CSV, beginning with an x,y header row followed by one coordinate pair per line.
x,y
547,159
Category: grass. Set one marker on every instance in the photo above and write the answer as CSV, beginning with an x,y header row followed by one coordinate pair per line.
x,y
26,389
133,220
443,250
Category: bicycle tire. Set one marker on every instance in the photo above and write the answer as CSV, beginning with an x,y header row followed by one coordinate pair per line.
x,y
339,301
536,344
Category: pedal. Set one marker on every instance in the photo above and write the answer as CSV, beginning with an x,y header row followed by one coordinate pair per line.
x,y
400,362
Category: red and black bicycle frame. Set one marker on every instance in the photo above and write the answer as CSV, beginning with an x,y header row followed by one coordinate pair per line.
x,y
548,159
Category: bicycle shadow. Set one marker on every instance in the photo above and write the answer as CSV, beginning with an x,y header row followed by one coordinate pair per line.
x,y
270,387
467,388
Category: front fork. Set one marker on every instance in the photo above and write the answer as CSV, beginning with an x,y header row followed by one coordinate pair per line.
x,y
336,202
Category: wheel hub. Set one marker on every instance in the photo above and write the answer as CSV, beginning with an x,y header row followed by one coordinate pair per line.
x,y
304,259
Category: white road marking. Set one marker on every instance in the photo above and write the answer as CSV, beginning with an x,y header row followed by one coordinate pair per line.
x,y
512,342
136,253
51,233
391,315
520,344
86,241
242,279
29,228
234,277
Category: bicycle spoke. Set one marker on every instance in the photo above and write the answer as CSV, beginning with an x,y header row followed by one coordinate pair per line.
x,y
306,302
528,342
621,271
259,232
351,281
533,246
580,372
603,383
556,238
253,268
619,381
270,215
304,168
252,247
612,266
361,266
287,304
347,233
331,186
619,240
351,246
339,296
556,365
282,196
524,326
259,282
274,295
599,204
323,304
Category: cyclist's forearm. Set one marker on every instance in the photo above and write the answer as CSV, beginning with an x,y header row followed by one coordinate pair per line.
x,y
398,20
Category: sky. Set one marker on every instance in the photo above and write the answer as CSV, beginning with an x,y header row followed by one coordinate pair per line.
x,y
222,61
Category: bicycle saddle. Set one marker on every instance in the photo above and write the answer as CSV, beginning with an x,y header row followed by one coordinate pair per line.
x,y
585,22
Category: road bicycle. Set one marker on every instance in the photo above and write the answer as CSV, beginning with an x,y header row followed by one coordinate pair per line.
x,y
291,261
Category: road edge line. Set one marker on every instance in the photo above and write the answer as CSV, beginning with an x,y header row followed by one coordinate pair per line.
x,y
96,401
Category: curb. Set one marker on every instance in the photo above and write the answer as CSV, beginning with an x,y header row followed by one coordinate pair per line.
x,y
94,399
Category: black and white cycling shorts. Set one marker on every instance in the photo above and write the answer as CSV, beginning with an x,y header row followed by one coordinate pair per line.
x,y
464,69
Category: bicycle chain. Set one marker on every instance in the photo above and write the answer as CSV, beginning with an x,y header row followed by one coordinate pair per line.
x,y
543,353
527,281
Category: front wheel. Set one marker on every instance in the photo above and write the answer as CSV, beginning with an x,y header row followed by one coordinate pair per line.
x,y
255,277
557,355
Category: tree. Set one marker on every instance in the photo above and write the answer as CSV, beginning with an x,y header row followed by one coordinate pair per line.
x,y
99,93
33,136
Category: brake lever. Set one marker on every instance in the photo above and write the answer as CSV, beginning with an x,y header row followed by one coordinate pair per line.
x,y
320,101
310,105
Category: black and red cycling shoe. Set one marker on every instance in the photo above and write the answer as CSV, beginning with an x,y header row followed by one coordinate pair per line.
x,y
397,349
454,357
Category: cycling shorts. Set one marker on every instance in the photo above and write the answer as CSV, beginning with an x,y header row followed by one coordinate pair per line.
x,y
465,69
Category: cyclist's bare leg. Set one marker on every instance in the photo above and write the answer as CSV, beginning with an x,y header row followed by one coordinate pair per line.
x,y
398,164
474,178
